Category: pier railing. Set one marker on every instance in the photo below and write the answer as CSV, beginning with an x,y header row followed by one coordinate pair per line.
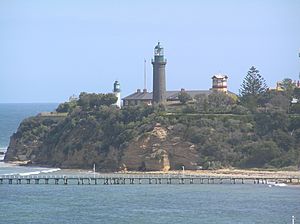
x,y
116,178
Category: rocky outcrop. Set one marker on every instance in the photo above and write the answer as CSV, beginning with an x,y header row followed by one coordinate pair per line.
x,y
26,142
159,149
143,139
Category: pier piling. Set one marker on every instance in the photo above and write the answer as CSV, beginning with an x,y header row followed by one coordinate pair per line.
x,y
115,179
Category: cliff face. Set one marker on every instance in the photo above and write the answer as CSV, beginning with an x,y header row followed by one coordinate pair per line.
x,y
141,138
26,142
158,149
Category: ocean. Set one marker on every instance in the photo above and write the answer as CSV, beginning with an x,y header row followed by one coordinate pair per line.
x,y
117,204
11,114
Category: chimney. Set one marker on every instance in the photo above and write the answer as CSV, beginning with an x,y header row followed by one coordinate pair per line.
x,y
138,90
144,90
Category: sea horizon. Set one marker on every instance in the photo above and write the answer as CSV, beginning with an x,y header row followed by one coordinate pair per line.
x,y
12,114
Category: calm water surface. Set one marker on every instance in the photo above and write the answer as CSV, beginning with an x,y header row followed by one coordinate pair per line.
x,y
148,204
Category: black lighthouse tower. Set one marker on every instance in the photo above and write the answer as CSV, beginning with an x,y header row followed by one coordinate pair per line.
x,y
159,75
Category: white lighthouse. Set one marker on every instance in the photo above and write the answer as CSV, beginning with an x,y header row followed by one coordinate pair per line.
x,y
117,92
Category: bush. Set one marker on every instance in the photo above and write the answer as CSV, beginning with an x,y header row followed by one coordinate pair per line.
x,y
259,154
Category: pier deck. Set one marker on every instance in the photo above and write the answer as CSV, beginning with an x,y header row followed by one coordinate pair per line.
x,y
119,179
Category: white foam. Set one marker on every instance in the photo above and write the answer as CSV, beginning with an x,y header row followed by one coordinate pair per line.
x,y
9,174
30,173
39,172
3,149
50,171
276,184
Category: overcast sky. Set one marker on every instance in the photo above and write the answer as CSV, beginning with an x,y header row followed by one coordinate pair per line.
x,y
52,49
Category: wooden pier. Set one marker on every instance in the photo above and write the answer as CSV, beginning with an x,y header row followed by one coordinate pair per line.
x,y
117,179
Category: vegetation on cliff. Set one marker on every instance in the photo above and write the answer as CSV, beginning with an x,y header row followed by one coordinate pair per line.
x,y
219,130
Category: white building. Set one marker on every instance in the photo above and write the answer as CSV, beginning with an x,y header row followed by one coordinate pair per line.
x,y
117,92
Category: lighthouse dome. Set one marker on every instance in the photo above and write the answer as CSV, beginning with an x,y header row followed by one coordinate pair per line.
x,y
158,50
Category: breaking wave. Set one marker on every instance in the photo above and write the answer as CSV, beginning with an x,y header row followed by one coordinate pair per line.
x,y
2,153
29,173
51,170
39,172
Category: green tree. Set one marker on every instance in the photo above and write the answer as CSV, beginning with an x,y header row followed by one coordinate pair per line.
x,y
288,86
253,85
266,123
84,101
216,102
184,97
296,93
220,102
275,100
63,108
295,108
201,103
66,107
283,139
259,154
92,100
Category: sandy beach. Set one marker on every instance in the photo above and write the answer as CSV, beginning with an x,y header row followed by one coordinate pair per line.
x,y
231,173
